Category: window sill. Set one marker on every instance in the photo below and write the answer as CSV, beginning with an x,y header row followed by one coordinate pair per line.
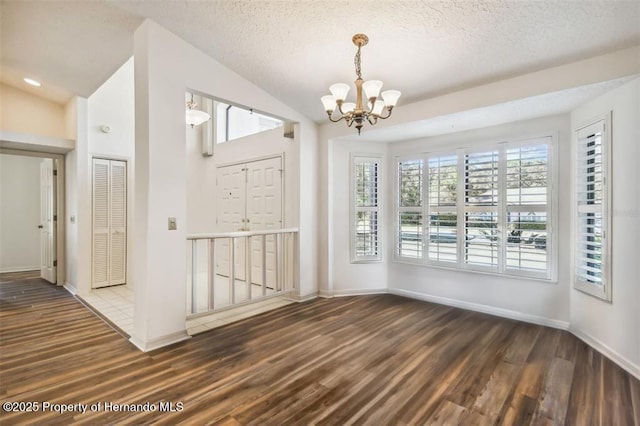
x,y
474,271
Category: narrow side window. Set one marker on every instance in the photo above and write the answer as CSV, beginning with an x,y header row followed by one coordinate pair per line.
x,y
591,219
365,212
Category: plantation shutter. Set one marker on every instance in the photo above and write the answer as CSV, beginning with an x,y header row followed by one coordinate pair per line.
x,y
527,208
591,207
442,209
365,220
481,240
409,236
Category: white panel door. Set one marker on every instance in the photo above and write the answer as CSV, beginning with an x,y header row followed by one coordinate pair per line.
x,y
47,223
264,211
109,220
231,208
250,198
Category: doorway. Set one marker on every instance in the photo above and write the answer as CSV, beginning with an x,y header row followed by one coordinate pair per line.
x,y
250,199
109,222
32,193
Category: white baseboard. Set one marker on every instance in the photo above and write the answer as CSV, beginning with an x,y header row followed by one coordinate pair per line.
x,y
325,294
359,292
298,298
20,269
486,309
605,350
70,288
159,342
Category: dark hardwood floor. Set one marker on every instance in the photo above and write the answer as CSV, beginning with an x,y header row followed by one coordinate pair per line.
x,y
18,276
354,360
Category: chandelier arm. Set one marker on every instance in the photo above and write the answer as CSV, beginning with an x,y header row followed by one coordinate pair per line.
x,y
374,117
372,102
384,117
342,117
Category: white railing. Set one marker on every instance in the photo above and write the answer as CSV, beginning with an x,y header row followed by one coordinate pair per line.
x,y
234,268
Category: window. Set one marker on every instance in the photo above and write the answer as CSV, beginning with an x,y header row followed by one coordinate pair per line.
x,y
591,221
527,212
488,210
233,122
442,241
409,242
481,209
365,214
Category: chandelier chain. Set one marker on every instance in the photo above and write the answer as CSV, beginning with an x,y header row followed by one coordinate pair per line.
x,y
356,61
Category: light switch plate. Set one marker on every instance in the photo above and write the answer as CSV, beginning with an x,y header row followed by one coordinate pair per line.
x,y
173,225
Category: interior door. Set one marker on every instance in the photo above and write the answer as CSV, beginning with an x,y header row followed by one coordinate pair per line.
x,y
250,198
117,222
109,222
231,212
100,248
47,222
264,212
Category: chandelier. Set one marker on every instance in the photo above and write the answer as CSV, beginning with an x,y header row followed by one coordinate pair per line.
x,y
356,112
194,116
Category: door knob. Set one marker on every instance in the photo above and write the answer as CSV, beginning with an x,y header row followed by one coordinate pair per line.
x,y
40,226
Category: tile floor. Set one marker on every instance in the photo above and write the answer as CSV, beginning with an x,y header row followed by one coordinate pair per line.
x,y
116,304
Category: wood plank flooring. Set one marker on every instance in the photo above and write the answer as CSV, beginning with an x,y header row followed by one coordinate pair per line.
x,y
372,360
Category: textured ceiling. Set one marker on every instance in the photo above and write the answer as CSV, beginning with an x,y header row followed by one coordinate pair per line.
x,y
522,109
296,49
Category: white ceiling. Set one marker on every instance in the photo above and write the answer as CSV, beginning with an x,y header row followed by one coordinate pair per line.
x,y
296,49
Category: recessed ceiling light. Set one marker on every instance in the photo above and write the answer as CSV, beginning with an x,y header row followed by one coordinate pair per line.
x,y
32,82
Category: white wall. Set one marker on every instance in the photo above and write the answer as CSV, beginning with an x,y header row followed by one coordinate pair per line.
x,y
347,277
77,203
111,104
536,301
165,68
613,328
201,174
23,112
19,213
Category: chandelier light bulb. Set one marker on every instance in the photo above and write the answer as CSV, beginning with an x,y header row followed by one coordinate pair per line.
x,y
391,97
378,107
348,107
339,91
372,88
329,102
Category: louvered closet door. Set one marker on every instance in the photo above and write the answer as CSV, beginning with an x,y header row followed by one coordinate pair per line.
x,y
109,223
100,252
118,222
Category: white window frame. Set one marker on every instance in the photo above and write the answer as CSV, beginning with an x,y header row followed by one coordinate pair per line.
x,y
551,210
599,124
355,209
429,209
549,274
222,121
413,209
463,208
